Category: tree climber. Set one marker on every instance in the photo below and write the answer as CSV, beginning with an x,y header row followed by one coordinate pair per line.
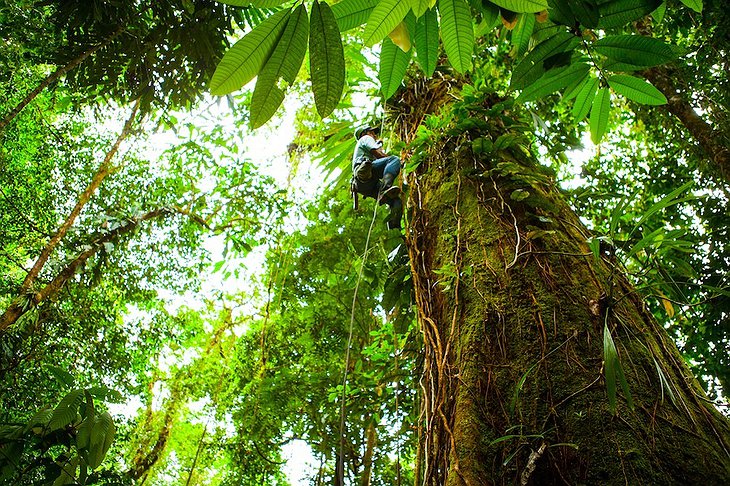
x,y
374,172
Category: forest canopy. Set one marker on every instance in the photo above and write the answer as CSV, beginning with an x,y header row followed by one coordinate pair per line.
x,y
188,296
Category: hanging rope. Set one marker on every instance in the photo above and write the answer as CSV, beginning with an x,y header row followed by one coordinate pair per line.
x,y
340,467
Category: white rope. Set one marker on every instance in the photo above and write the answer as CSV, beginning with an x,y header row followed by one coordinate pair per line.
x,y
341,458
340,469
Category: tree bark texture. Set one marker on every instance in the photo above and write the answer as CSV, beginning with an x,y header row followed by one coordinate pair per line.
x,y
512,306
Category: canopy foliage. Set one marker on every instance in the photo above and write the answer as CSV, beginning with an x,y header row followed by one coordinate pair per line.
x,y
214,300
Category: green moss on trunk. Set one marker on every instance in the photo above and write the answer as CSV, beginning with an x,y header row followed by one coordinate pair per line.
x,y
512,305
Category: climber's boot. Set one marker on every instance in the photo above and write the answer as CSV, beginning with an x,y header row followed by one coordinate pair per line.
x,y
387,189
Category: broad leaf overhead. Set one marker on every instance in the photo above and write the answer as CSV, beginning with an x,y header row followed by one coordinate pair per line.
x,y
352,13
637,90
384,18
427,41
284,63
600,111
326,59
245,59
457,33
635,50
519,6
393,64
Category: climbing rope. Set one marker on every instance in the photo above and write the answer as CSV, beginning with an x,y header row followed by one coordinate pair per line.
x,y
340,469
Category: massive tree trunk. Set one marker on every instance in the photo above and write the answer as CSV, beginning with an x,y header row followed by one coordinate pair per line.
x,y
513,307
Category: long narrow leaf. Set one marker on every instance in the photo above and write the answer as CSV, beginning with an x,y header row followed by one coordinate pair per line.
x,y
518,389
393,65
457,33
600,110
610,359
668,200
385,16
612,370
427,42
326,59
284,63
245,59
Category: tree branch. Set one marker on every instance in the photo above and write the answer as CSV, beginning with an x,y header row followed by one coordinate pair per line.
x,y
18,308
708,139
54,77
104,170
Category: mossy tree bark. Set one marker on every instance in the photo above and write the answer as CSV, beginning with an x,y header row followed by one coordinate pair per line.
x,y
512,306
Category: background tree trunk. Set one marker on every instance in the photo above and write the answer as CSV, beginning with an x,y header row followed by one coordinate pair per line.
x,y
512,306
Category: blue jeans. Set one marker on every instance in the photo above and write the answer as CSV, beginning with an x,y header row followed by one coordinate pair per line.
x,y
386,165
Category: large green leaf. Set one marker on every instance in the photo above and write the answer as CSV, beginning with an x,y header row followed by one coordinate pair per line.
x,y
584,99
532,66
427,41
599,114
284,63
568,12
385,16
522,32
636,89
554,80
520,6
420,7
457,33
326,59
695,5
352,13
617,13
65,412
635,49
102,436
245,59
393,65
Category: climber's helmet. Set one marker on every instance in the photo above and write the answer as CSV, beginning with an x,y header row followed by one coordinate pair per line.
x,y
365,128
